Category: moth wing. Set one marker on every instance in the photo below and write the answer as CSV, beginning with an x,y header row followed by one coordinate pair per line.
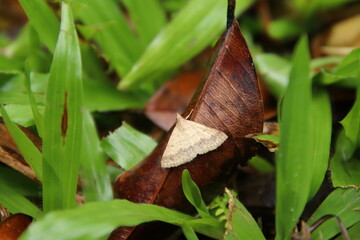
x,y
188,140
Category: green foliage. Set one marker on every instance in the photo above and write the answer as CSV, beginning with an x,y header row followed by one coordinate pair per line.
x,y
240,224
126,146
63,136
193,195
344,203
15,202
164,35
294,158
345,165
181,39
27,148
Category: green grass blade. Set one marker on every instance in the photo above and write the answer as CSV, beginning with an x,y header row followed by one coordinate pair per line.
x,y
344,203
44,20
27,148
275,71
127,146
15,202
193,194
96,184
322,124
38,117
20,114
148,17
76,223
294,158
189,232
345,166
63,119
196,26
348,68
106,24
351,122
240,224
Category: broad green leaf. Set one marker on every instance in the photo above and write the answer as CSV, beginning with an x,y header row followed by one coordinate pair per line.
x,y
345,166
321,124
10,66
44,20
148,17
196,26
126,146
240,224
294,159
275,72
76,223
351,122
96,184
354,232
13,91
348,68
189,232
193,195
344,203
104,22
15,202
27,148
63,119
20,114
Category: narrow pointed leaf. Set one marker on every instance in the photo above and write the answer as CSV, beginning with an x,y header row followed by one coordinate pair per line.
x,y
44,20
193,195
16,203
148,17
95,178
107,25
295,155
187,34
38,117
62,137
76,223
344,203
321,124
345,165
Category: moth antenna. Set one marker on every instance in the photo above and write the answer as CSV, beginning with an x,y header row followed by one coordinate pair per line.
x,y
230,13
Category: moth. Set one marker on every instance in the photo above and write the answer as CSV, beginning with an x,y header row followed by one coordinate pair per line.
x,y
188,140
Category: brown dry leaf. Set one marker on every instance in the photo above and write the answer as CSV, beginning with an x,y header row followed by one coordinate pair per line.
x,y
228,100
14,226
171,98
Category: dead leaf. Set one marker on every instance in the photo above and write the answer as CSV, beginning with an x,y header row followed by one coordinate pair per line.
x,y
228,100
171,98
14,226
